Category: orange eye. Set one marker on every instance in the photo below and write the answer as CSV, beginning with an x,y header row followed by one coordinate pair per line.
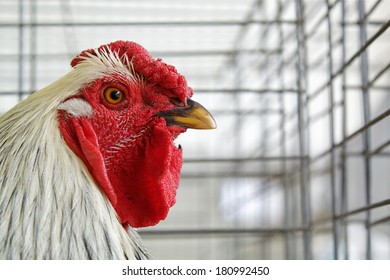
x,y
113,95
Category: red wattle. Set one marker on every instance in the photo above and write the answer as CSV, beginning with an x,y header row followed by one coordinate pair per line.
x,y
146,177
82,140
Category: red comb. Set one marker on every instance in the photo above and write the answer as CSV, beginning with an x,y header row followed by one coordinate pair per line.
x,y
154,70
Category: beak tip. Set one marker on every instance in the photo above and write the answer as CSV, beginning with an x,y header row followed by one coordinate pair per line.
x,y
211,123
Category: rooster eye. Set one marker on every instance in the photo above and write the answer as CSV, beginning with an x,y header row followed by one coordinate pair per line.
x,y
113,95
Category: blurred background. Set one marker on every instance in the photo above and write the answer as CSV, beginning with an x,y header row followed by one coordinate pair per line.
x,y
299,166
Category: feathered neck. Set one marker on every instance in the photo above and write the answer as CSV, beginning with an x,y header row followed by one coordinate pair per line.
x,y
50,207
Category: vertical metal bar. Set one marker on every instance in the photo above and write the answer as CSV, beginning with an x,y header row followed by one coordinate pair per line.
x,y
343,163
264,101
301,66
367,117
289,252
21,50
335,221
237,144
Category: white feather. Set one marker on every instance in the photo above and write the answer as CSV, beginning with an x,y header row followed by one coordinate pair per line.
x,y
50,206
77,107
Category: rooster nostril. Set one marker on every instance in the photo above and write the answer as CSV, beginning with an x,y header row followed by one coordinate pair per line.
x,y
176,101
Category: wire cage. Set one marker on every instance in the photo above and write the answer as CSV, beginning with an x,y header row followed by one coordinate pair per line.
x,y
298,167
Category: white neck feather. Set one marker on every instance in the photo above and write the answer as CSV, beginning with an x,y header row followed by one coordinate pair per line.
x,y
50,207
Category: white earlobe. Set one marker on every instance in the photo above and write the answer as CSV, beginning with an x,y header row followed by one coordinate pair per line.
x,y
77,107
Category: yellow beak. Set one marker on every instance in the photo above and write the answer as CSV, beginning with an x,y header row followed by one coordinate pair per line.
x,y
193,116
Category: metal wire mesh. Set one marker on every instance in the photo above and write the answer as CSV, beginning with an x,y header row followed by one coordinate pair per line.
x,y
299,165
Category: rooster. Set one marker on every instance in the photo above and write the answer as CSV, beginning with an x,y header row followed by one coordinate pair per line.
x,y
89,158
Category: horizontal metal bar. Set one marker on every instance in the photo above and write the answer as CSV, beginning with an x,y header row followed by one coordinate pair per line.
x,y
363,128
213,52
209,91
247,90
232,174
238,160
372,81
379,74
356,87
247,112
384,88
362,154
375,152
380,148
380,221
164,53
161,23
369,22
364,209
353,135
218,231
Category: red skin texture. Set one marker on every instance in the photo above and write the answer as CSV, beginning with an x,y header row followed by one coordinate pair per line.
x,y
129,152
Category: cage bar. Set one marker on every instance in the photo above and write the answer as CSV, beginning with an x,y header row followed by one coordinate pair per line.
x,y
298,167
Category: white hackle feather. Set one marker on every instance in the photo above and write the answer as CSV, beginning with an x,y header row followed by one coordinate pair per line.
x,y
50,206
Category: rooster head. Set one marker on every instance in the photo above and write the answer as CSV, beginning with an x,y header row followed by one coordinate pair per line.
x,y
122,124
